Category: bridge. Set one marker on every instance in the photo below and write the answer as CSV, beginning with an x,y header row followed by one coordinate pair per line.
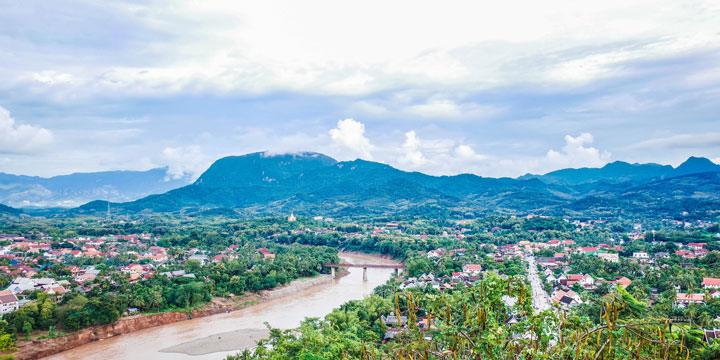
x,y
397,268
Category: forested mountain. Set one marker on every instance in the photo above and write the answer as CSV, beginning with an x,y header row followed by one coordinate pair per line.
x,y
7,210
696,165
622,172
615,172
314,184
79,188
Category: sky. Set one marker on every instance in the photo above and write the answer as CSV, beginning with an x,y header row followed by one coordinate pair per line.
x,y
490,88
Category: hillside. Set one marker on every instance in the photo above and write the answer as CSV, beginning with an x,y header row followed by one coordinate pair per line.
x,y
7,210
311,183
622,172
75,189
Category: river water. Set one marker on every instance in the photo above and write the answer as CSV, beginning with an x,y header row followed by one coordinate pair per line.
x,y
286,312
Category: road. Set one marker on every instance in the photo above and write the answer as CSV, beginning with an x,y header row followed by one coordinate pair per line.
x,y
541,300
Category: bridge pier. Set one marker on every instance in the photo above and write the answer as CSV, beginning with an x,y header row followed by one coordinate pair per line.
x,y
397,268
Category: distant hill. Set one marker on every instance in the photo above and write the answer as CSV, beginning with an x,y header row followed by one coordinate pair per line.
x,y
7,210
622,172
696,165
79,188
312,183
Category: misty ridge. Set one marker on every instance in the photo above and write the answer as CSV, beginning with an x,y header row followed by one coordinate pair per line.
x,y
307,183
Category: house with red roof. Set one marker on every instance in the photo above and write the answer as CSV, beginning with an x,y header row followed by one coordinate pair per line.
x,y
696,246
684,299
583,280
85,278
711,283
472,269
623,281
133,269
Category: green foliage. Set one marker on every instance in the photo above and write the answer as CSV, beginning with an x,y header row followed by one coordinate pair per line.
x,y
472,323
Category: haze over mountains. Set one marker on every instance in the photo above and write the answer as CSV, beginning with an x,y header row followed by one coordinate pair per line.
x,y
620,171
79,188
312,183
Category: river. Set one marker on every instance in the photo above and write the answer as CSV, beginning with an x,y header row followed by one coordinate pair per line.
x,y
227,332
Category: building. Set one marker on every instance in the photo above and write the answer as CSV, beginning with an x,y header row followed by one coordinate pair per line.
x,y
292,218
581,279
696,246
610,257
566,299
177,273
8,302
203,259
709,336
472,269
641,255
711,283
21,284
393,320
684,299
623,281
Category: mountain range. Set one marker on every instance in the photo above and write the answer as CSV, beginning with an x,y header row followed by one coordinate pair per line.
x,y
315,184
620,172
79,188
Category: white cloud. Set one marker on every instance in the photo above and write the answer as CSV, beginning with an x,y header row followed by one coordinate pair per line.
x,y
576,154
449,109
467,152
21,138
437,156
244,48
351,135
412,149
185,161
680,141
52,77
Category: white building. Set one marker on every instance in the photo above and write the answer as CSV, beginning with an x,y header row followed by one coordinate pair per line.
x,y
8,302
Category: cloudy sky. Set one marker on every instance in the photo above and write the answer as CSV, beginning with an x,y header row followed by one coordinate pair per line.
x,y
438,87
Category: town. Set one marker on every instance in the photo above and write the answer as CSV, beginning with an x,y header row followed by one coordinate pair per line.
x,y
61,276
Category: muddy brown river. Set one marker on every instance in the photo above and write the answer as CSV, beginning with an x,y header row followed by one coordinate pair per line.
x,y
214,337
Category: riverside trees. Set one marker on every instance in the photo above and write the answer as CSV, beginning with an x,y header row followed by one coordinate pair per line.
x,y
478,322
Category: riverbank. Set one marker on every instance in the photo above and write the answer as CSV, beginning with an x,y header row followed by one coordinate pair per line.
x,y
37,349
227,333
247,338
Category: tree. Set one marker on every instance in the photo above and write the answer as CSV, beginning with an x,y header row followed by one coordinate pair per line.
x,y
192,266
27,329
101,311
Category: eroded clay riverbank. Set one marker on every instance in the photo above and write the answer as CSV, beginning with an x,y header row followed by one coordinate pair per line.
x,y
213,337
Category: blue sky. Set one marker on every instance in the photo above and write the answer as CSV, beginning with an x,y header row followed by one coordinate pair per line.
x,y
443,88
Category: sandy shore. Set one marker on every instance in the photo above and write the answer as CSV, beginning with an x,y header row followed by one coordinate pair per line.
x,y
245,338
228,341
